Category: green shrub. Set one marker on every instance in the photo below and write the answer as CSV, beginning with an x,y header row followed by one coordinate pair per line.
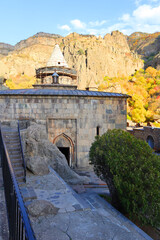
x,y
132,173
80,52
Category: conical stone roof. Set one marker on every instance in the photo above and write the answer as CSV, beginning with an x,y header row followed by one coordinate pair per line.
x,y
57,58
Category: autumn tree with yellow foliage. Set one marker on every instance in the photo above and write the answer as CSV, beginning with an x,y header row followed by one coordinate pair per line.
x,y
144,89
20,81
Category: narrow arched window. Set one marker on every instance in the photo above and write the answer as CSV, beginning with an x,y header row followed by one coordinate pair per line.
x,y
55,78
98,130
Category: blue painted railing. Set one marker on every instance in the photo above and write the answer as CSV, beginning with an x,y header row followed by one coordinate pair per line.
x,y
18,220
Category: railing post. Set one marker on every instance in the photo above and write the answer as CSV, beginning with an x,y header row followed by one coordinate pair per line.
x,y
24,164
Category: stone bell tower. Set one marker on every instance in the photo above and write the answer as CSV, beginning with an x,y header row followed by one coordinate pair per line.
x,y
56,74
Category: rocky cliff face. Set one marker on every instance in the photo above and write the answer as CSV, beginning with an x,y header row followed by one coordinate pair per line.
x,y
5,49
147,46
92,57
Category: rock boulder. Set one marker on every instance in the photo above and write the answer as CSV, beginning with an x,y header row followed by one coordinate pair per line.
x,y
40,153
41,208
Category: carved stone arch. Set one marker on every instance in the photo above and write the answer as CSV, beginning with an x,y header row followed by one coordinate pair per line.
x,y
66,146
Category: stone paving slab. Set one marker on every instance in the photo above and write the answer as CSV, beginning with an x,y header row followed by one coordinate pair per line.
x,y
86,225
98,221
52,188
105,209
85,216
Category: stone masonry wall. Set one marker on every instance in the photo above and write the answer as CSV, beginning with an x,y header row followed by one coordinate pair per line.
x,y
145,132
84,113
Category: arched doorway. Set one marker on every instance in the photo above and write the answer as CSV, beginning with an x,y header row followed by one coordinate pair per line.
x,y
150,141
66,146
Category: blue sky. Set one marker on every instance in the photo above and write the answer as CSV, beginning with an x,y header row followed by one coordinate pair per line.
x,y
20,19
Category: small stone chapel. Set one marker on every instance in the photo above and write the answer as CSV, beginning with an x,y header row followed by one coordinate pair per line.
x,y
72,117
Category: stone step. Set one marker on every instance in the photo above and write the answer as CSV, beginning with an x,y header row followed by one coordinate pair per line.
x,y
28,193
19,173
19,168
16,161
15,156
20,179
11,136
17,164
13,144
9,139
21,184
14,153
12,141
9,130
6,135
13,148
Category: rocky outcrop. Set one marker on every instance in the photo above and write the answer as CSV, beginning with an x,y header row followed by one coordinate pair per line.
x,y
156,61
38,38
92,57
40,153
147,46
5,49
39,208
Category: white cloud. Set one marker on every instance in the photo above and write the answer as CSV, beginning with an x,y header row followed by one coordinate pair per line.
x,y
65,27
147,13
125,17
97,23
137,2
145,18
78,24
141,2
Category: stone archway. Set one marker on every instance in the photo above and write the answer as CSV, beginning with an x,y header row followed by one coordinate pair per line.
x,y
150,141
66,146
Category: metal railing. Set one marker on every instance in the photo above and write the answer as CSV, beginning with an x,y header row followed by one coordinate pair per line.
x,y
18,220
24,164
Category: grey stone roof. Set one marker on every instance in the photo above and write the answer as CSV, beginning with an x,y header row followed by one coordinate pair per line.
x,y
57,58
54,92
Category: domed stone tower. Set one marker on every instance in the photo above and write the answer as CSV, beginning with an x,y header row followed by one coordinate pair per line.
x,y
56,74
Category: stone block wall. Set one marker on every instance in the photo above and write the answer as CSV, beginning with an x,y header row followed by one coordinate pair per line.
x,y
145,132
75,116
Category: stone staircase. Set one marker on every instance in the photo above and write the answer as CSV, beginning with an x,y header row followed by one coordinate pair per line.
x,y
12,141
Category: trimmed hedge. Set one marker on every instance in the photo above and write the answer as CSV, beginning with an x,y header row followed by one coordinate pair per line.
x,y
132,173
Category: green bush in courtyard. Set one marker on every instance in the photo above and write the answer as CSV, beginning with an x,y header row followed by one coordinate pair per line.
x,y
132,173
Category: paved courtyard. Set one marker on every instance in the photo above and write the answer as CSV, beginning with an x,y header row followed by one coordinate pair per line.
x,y
80,216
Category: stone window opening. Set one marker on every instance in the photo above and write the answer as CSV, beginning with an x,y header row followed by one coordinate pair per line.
x,y
98,130
150,141
55,78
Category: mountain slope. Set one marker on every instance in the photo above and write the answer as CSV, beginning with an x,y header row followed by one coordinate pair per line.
x,y
147,46
92,57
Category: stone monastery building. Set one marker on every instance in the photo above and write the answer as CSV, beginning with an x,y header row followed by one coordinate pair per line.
x,y
72,117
